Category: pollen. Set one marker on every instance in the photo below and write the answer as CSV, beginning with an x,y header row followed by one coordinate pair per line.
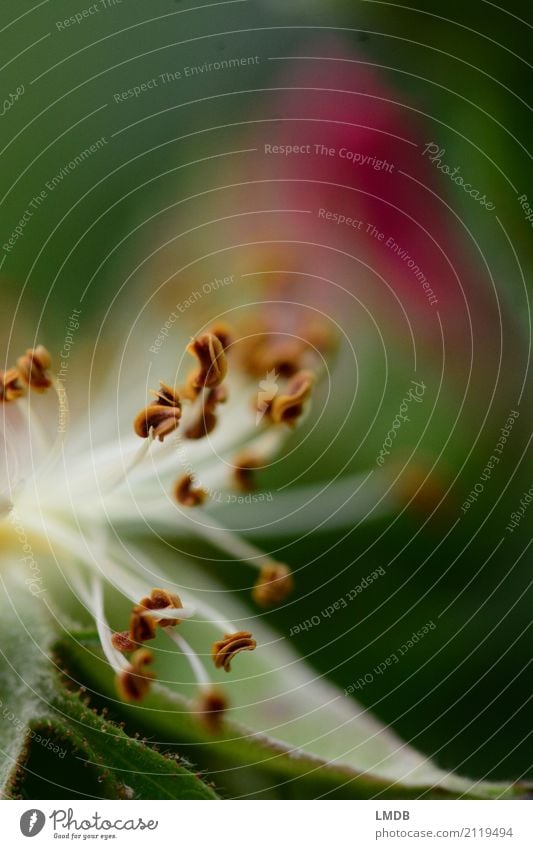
x,y
122,642
209,351
160,600
159,419
33,368
134,682
273,586
224,650
166,396
11,387
142,627
288,407
224,334
187,494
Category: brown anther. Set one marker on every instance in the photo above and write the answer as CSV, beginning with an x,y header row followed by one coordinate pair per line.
x,y
288,406
273,586
159,418
223,651
159,600
190,391
203,426
33,368
217,395
11,387
211,706
244,466
134,682
266,353
166,396
209,351
142,626
206,420
122,641
187,494
223,334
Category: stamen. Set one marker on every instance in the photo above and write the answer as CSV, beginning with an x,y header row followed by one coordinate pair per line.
x,y
11,387
177,614
166,396
122,642
223,334
159,419
96,603
133,683
256,455
265,352
288,407
224,650
147,615
206,420
33,367
197,667
204,424
210,703
273,586
142,627
209,351
162,600
245,465
187,494
211,706
190,391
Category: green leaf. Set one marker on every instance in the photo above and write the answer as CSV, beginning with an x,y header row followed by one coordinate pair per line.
x,y
129,767
52,744
26,635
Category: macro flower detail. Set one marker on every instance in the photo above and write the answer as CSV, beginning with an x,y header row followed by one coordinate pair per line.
x,y
274,585
209,351
123,642
187,494
33,368
206,416
96,497
133,682
11,387
145,617
289,406
226,649
245,465
210,708
162,600
142,625
32,371
166,396
159,418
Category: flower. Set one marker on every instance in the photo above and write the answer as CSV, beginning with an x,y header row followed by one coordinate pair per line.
x,y
71,510
78,498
